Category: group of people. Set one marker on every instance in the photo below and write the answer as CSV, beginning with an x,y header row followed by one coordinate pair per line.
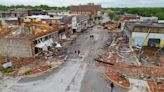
x,y
92,37
77,52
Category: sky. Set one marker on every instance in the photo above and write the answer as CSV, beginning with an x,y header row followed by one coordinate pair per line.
x,y
104,3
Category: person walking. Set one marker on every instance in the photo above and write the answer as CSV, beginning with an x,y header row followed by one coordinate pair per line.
x,y
75,53
112,86
78,52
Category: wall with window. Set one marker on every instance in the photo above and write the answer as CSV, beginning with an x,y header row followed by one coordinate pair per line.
x,y
160,36
45,38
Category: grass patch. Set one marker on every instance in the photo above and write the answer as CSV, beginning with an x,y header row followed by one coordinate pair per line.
x,y
28,72
83,30
7,70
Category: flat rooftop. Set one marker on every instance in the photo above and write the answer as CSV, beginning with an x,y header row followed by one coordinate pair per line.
x,y
30,31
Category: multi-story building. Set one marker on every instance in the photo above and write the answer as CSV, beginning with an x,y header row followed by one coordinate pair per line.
x,y
89,9
36,12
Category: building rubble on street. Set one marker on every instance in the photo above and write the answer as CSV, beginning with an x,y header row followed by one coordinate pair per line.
x,y
94,52
35,43
126,58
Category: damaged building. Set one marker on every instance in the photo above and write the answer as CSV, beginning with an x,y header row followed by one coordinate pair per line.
x,y
26,43
145,34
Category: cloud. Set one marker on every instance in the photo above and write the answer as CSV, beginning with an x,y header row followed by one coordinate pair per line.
x,y
105,3
48,2
133,3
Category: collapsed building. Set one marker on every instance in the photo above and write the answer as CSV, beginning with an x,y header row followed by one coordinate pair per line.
x,y
145,34
29,41
37,36
122,66
30,34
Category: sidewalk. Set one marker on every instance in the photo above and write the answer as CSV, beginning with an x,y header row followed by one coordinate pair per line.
x,y
139,86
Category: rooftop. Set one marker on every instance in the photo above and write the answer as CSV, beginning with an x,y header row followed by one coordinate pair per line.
x,y
9,18
44,17
27,31
131,25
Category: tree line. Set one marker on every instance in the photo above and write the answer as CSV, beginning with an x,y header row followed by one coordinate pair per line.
x,y
147,12
45,7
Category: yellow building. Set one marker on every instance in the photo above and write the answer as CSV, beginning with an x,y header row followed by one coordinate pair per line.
x,y
152,36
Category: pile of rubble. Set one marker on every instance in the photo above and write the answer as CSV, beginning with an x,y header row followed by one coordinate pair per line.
x,y
116,58
116,49
16,62
42,67
107,57
117,79
140,72
155,87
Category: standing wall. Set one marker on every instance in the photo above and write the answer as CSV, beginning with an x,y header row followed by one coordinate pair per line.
x,y
15,48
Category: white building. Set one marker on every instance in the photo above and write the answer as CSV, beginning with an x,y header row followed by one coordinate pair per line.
x,y
151,35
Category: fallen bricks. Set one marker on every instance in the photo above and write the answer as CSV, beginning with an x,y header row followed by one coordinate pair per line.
x,y
108,58
37,70
155,87
139,72
117,79
119,72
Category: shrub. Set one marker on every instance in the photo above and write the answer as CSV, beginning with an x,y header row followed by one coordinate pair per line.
x,y
49,66
83,30
28,72
7,70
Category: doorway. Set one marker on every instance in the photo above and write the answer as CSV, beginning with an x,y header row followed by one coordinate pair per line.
x,y
153,42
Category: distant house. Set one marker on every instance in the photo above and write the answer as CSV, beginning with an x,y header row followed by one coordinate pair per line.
x,y
36,12
9,22
46,18
129,17
149,19
14,13
21,12
79,22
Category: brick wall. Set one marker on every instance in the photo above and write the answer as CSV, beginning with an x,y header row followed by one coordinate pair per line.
x,y
15,48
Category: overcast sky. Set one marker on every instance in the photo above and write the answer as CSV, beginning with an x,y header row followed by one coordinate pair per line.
x,y
104,3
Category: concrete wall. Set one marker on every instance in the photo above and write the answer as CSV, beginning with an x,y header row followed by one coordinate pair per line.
x,y
15,48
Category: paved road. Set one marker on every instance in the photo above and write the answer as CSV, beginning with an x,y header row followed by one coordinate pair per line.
x,y
76,75
93,80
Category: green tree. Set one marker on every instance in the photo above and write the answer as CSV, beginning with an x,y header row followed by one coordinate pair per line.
x,y
113,16
147,12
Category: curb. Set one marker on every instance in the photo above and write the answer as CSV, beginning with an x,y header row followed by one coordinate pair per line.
x,y
53,67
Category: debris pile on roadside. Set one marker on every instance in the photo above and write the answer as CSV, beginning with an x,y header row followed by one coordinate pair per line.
x,y
117,79
121,63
